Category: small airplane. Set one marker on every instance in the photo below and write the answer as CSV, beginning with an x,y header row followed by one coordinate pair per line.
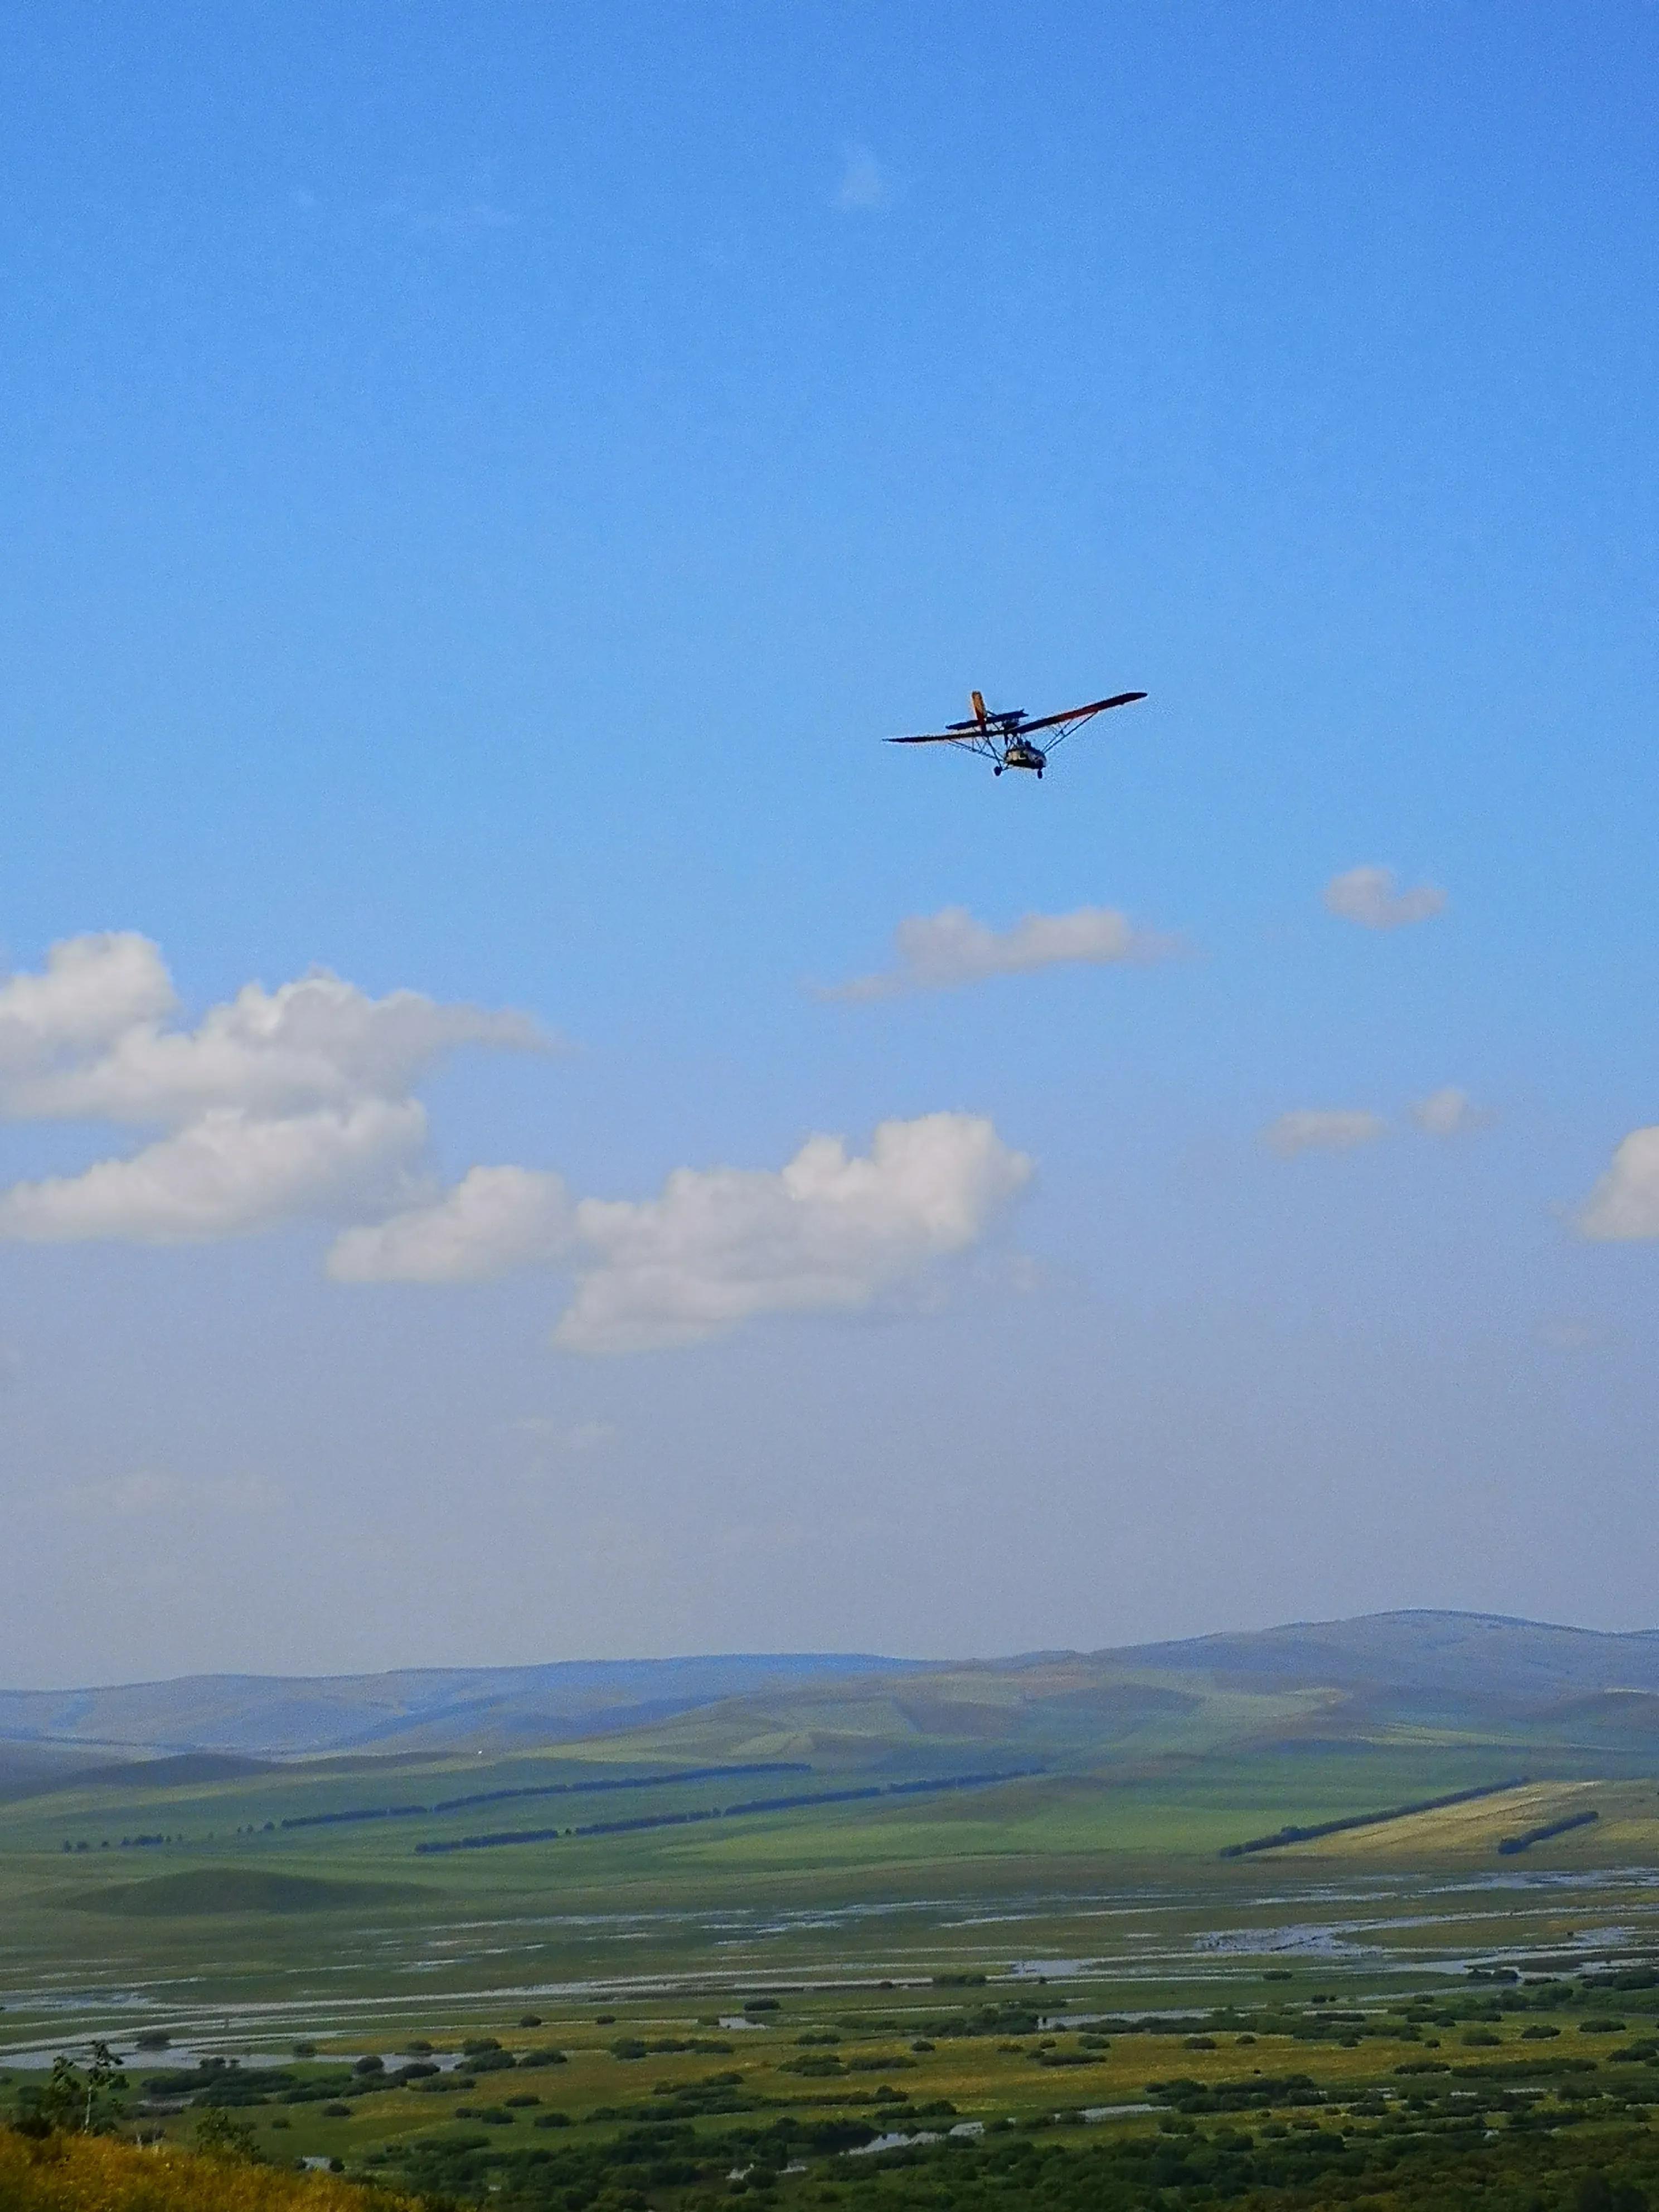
x,y
1003,736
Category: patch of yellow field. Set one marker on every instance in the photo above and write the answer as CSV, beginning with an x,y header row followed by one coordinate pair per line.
x,y
1627,1827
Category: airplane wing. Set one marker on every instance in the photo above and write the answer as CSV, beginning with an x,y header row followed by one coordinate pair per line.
x,y
1081,714
942,737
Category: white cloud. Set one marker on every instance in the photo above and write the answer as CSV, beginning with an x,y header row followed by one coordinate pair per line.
x,y
319,1043
226,1174
718,1245
279,1103
1448,1112
863,187
495,1219
298,1101
1312,1129
92,989
937,951
1367,896
825,1232
1623,1206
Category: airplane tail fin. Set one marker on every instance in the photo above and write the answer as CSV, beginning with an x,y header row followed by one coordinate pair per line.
x,y
977,701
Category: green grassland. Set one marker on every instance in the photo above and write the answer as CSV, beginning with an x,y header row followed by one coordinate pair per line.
x,y
986,1955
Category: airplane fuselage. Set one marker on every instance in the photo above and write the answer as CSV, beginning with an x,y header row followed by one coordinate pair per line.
x,y
1020,752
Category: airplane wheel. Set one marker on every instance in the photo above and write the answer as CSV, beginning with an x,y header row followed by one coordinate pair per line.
x,y
996,771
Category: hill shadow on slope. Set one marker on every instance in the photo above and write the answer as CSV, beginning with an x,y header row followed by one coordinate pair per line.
x,y
200,1892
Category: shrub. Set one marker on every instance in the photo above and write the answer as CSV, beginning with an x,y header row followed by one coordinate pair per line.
x,y
218,2136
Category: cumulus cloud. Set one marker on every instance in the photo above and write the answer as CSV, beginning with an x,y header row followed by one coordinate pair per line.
x,y
278,1104
1368,896
92,989
495,1219
863,186
227,1173
937,951
1448,1112
723,1244
1623,1206
1314,1129
718,1246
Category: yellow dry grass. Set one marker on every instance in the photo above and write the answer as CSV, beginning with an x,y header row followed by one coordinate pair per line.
x,y
1627,1822
95,2173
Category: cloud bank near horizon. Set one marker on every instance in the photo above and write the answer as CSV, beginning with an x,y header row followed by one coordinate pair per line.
x,y
940,951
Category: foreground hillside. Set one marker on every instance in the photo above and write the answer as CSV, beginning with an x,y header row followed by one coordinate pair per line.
x,y
97,2173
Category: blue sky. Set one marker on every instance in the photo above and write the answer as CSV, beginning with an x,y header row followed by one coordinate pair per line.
x,y
480,482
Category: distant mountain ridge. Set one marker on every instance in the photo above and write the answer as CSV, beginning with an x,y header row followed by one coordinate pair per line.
x,y
1374,1665
412,1710
1473,1654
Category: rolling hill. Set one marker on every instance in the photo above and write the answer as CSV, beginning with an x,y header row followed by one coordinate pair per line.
x,y
1307,1686
414,1709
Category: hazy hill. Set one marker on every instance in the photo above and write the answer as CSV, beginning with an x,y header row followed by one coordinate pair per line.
x,y
1306,1685
1481,1655
1534,1699
414,1709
